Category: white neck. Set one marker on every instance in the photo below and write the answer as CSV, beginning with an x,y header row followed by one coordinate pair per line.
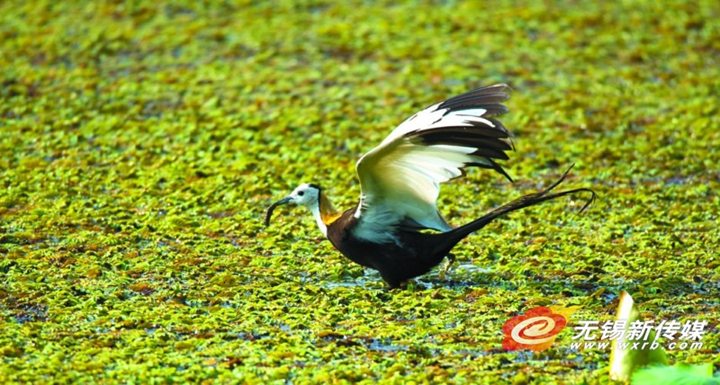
x,y
316,213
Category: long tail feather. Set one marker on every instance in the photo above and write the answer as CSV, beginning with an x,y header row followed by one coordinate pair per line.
x,y
517,204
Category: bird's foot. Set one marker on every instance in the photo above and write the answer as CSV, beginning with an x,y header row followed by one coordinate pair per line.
x,y
408,284
447,265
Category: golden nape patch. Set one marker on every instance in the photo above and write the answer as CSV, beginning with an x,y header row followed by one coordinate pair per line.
x,y
328,212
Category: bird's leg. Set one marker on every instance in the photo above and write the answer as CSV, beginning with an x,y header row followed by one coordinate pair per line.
x,y
448,264
412,283
451,258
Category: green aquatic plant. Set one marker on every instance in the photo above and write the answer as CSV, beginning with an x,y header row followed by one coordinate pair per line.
x,y
140,143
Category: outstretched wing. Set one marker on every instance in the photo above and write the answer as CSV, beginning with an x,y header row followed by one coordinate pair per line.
x,y
400,179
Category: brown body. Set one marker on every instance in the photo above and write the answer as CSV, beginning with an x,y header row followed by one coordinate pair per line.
x,y
416,253
417,256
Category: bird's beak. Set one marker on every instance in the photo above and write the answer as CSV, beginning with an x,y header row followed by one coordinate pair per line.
x,y
272,208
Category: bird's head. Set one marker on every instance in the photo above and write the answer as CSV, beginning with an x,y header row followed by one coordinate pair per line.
x,y
307,194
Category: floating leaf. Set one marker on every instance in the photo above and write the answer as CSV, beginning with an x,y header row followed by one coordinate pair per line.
x,y
680,374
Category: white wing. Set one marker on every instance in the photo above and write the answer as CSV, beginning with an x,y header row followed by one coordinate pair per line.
x,y
400,179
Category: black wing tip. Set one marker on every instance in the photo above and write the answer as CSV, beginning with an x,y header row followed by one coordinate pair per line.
x,y
502,87
488,97
499,87
493,165
497,167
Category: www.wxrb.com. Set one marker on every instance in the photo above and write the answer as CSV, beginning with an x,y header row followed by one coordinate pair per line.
x,y
640,345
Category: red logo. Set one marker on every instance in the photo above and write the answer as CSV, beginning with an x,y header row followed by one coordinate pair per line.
x,y
536,329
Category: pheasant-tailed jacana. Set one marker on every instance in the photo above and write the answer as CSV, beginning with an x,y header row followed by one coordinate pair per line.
x,y
400,182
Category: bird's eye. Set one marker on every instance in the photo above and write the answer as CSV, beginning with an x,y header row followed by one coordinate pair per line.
x,y
301,193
